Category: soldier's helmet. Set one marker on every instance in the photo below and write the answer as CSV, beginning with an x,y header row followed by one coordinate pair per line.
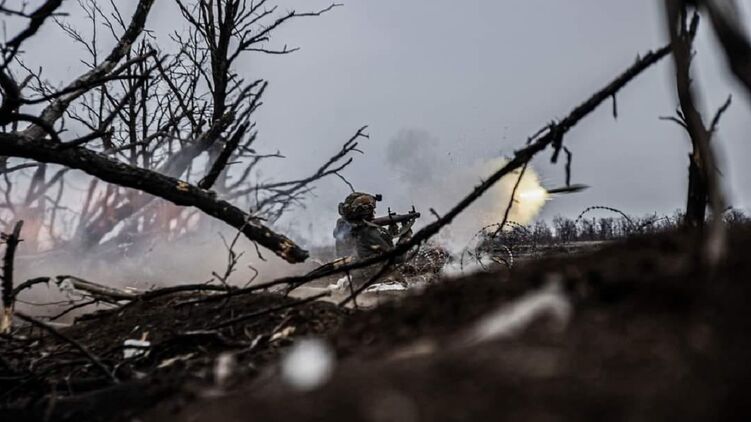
x,y
358,205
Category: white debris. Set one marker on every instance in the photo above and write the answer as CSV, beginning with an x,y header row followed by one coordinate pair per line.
x,y
386,287
224,366
339,285
511,318
171,361
66,285
281,334
308,365
135,348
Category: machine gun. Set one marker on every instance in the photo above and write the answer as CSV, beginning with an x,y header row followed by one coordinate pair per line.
x,y
393,218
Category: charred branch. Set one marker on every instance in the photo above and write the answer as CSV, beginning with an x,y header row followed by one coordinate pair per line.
x,y
223,159
171,189
11,242
29,284
96,290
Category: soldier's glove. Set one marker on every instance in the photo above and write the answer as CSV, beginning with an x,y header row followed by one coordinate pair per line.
x,y
393,230
404,237
407,226
406,232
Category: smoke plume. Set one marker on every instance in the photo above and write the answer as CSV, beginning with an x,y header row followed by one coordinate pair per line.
x,y
432,178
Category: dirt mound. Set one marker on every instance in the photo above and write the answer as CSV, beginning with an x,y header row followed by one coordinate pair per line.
x,y
649,338
633,331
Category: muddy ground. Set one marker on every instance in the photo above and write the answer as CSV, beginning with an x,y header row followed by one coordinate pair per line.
x,y
634,331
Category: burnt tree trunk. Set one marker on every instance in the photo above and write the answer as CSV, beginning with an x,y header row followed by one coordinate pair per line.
x,y
698,196
11,242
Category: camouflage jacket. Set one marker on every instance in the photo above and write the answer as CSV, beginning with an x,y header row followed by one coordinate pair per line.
x,y
371,239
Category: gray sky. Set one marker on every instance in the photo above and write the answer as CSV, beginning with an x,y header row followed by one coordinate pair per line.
x,y
481,76
477,77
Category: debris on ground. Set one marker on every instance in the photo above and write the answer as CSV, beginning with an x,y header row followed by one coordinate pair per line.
x,y
632,331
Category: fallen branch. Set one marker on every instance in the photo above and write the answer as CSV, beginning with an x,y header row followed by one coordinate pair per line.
x,y
29,284
171,189
73,308
97,291
153,294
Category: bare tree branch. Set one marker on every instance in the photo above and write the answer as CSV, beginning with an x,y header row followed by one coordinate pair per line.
x,y
37,19
56,109
171,189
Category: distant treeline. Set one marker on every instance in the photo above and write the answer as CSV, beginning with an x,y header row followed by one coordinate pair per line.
x,y
584,228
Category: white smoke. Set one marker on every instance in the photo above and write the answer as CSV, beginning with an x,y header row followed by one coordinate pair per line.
x,y
422,172
431,179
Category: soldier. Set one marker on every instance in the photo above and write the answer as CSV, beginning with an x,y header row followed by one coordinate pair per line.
x,y
357,233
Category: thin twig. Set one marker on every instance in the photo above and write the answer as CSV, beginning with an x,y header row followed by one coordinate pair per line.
x,y
80,347
273,309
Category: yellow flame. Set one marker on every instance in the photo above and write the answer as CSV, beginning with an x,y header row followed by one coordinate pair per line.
x,y
533,194
530,196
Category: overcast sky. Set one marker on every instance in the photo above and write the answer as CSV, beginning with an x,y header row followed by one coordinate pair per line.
x,y
475,78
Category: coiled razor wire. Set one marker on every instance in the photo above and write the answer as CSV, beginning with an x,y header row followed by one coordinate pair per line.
x,y
478,253
600,207
474,248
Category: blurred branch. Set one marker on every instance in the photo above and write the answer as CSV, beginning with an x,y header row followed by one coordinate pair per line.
x,y
727,25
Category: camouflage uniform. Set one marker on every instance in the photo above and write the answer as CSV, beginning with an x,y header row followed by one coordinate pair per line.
x,y
367,238
352,233
371,239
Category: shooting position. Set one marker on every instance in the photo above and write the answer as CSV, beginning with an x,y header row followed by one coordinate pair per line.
x,y
359,233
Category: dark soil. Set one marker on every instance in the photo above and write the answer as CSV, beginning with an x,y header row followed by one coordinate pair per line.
x,y
651,337
184,345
